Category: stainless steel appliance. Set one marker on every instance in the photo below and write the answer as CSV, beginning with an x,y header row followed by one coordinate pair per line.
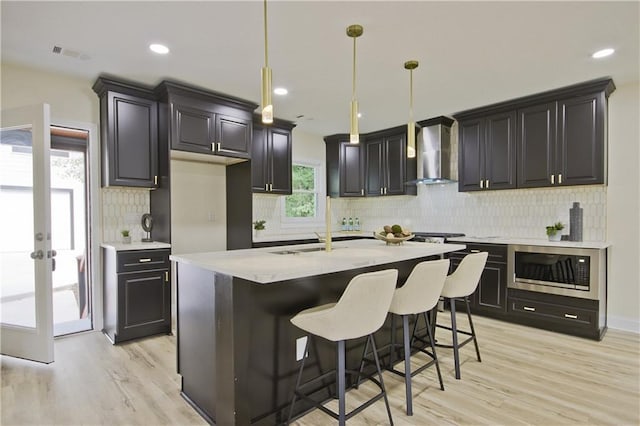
x,y
434,151
435,237
567,271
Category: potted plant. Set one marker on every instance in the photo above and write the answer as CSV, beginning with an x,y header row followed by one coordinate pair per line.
x,y
258,227
553,231
126,238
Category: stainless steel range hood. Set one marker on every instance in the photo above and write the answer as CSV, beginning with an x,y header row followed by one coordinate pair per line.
x,y
434,151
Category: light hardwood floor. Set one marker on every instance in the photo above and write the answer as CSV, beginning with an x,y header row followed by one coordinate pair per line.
x,y
527,376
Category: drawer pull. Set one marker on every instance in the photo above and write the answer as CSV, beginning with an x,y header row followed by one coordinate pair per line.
x,y
144,260
530,309
571,316
475,251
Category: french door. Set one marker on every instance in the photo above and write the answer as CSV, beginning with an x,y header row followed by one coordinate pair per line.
x,y
26,256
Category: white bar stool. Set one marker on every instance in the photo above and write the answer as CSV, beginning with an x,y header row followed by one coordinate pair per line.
x,y
360,312
458,286
419,294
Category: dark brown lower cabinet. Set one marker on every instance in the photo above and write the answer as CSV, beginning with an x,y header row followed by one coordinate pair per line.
x,y
137,293
490,297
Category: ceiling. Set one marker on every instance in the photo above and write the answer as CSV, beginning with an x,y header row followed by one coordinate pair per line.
x,y
470,53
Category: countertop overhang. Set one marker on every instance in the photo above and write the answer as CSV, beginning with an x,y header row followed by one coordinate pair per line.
x,y
272,264
532,242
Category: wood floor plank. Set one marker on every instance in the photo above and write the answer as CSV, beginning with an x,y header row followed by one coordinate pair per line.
x,y
527,377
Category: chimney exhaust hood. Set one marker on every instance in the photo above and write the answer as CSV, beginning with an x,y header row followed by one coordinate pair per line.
x,y
434,151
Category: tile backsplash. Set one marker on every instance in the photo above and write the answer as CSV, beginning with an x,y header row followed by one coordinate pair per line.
x,y
441,208
122,208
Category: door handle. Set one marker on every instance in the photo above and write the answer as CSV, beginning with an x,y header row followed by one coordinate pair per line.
x,y
553,179
37,254
526,308
218,146
144,260
166,276
481,184
559,178
571,316
486,183
362,192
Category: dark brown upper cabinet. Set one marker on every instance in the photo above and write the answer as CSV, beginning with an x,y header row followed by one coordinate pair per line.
x,y
129,133
206,122
487,152
555,138
345,167
385,163
271,157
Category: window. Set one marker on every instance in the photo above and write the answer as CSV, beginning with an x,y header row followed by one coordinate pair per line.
x,y
302,204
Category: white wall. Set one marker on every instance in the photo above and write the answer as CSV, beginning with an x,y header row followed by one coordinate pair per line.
x,y
198,207
623,217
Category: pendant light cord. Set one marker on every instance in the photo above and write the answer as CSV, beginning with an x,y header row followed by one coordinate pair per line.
x,y
266,55
411,94
353,94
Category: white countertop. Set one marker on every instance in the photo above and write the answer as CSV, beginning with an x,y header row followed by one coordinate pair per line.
x,y
532,242
264,265
135,245
309,236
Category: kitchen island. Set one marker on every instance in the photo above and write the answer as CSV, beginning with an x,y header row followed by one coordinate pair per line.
x,y
236,347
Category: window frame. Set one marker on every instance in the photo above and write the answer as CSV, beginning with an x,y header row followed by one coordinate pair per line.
x,y
320,191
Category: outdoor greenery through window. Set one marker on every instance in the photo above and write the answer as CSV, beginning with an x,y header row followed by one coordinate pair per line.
x,y
303,202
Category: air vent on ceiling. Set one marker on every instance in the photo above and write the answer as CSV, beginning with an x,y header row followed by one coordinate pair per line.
x,y
70,53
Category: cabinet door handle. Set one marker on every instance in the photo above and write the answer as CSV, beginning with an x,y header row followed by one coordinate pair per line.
x,y
362,192
213,146
486,184
380,191
475,251
571,316
481,184
271,187
527,308
266,187
144,260
218,146
553,179
155,180
166,276
385,190
560,178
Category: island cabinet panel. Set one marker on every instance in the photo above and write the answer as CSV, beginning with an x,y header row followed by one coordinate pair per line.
x,y
490,297
129,134
137,293
555,138
271,157
237,346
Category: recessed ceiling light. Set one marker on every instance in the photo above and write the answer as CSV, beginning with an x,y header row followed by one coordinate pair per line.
x,y
603,53
280,91
159,48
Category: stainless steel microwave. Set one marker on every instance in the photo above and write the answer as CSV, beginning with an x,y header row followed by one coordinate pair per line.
x,y
568,271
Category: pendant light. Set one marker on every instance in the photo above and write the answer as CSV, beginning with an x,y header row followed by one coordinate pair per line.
x,y
266,104
411,125
354,31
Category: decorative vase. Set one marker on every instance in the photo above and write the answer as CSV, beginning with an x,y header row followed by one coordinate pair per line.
x,y
257,233
126,240
575,222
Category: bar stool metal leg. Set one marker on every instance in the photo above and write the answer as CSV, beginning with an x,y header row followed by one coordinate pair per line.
x,y
433,349
454,336
407,363
473,332
293,401
384,390
341,383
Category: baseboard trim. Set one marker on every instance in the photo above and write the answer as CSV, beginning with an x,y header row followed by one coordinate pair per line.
x,y
623,323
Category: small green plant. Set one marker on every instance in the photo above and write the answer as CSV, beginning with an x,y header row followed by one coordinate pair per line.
x,y
553,229
258,225
125,232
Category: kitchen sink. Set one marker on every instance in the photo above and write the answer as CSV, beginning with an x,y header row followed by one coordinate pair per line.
x,y
302,250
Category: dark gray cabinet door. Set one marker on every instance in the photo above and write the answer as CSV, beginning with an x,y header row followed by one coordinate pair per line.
x,y
471,155
491,294
536,145
280,161
500,151
580,148
131,155
144,303
233,136
193,129
374,152
351,170
395,165
260,160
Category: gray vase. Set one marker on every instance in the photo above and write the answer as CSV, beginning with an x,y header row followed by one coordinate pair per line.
x,y
575,222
